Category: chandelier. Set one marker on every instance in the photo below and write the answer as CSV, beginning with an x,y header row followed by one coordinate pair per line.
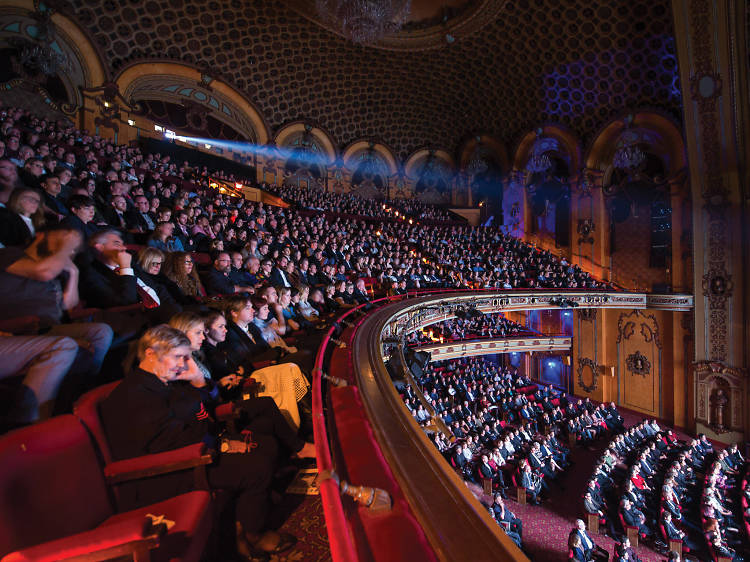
x,y
364,21
476,166
539,162
41,55
629,157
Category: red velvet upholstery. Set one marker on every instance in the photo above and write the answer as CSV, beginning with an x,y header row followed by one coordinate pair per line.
x,y
52,487
50,476
394,533
146,462
86,409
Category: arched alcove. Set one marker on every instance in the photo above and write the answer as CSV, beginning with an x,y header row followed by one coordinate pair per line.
x,y
431,173
23,24
205,100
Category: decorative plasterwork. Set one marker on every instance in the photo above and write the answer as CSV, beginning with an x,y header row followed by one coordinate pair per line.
x,y
584,364
637,321
638,364
468,22
711,376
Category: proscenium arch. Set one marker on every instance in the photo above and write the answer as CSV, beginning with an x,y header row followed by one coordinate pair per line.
x,y
671,146
355,148
127,79
564,136
322,136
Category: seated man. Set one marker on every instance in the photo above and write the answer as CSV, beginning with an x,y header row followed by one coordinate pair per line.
x,y
154,410
42,281
532,482
507,518
107,276
634,518
217,280
674,534
592,550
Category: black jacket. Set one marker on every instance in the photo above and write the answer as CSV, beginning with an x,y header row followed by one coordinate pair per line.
x,y
101,287
217,283
242,349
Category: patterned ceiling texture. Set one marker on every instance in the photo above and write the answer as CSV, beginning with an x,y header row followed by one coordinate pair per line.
x,y
579,64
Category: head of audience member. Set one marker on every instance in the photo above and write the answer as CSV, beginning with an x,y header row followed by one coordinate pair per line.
x,y
8,178
192,325
83,207
110,248
26,201
150,260
34,166
239,309
164,352
223,262
215,327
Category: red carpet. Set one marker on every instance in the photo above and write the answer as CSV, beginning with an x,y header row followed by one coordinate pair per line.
x,y
546,527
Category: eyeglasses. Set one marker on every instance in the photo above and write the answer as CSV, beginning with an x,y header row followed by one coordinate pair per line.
x,y
155,263
188,262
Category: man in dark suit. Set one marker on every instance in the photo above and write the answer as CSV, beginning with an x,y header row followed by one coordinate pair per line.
x,y
107,277
674,534
217,280
278,274
114,213
139,217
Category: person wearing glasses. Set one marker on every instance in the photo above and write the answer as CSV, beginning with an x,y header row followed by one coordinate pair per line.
x,y
22,217
180,269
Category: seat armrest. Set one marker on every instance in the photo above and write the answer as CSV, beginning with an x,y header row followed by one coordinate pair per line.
x,y
159,463
103,543
20,325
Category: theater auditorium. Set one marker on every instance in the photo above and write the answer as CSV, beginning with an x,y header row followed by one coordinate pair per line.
x,y
374,280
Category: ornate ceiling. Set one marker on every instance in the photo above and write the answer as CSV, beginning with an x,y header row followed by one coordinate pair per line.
x,y
533,61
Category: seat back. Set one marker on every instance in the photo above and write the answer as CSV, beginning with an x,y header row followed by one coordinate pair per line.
x,y
51,484
86,409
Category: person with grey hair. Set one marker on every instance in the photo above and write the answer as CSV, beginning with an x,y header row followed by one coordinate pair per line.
x,y
155,409
591,550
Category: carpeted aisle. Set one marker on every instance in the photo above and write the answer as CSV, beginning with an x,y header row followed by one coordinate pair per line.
x,y
303,517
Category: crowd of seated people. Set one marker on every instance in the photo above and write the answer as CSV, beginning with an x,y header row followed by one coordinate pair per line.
x,y
103,243
484,326
502,429
722,508
348,204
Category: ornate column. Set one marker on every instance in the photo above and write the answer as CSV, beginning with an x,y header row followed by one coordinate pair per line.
x,y
711,46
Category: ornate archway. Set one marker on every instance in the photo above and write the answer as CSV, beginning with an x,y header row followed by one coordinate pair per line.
x,y
304,153
431,174
370,168
24,24
205,100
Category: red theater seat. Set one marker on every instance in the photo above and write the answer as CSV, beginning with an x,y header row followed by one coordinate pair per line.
x,y
192,456
54,504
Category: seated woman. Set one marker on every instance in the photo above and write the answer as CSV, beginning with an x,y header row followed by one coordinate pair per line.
x,y
276,318
181,270
148,268
284,383
154,410
163,240
279,382
22,217
303,306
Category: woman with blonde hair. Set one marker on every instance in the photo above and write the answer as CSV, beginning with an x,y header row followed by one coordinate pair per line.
x,y
180,269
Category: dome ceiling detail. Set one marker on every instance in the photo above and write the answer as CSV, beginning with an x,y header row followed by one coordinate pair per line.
x,y
578,65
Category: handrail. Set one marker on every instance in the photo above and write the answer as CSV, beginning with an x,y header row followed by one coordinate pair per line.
x,y
341,541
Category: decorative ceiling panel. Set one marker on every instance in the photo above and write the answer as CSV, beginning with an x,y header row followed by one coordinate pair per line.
x,y
579,64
